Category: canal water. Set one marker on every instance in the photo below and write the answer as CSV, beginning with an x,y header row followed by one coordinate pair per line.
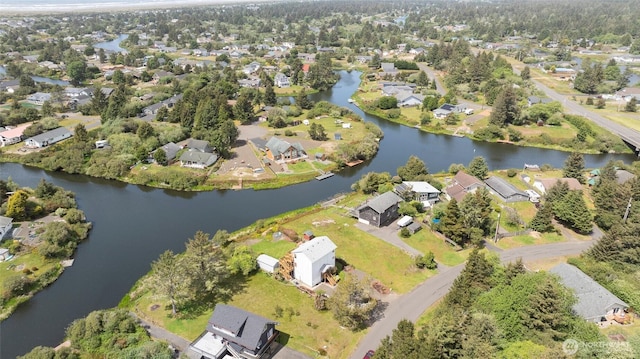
x,y
133,224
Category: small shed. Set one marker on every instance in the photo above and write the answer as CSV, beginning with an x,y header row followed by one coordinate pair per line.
x,y
4,254
414,227
337,136
308,235
268,263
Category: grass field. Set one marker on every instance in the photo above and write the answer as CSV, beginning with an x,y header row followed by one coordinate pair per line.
x,y
303,327
425,241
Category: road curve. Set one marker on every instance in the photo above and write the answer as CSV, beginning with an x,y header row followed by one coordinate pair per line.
x,y
413,304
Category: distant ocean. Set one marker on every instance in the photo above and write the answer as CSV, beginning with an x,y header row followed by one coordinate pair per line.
x,y
44,6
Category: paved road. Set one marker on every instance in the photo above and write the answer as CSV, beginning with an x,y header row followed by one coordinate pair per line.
x,y
412,305
627,134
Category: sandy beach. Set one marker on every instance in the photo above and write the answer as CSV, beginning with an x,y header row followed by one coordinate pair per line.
x,y
9,8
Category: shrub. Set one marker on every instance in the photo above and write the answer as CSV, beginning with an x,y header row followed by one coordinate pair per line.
x,y
394,113
512,172
289,133
404,233
426,261
387,102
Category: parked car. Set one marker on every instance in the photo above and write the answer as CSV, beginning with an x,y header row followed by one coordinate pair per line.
x,y
468,111
369,354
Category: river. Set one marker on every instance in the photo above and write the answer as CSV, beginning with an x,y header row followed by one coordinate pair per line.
x,y
113,45
134,224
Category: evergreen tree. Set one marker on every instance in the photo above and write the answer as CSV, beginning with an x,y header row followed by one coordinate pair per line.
x,y
243,109
317,132
542,221
574,167
573,211
525,74
478,167
160,156
303,101
269,95
168,278
505,108
451,224
422,79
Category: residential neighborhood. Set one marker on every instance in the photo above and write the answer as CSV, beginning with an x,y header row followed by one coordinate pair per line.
x,y
320,179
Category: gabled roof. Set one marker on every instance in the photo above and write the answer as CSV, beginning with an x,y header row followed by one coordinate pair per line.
x,y
456,191
14,132
466,180
574,184
170,149
622,176
382,202
238,326
316,248
503,188
200,145
199,157
593,299
60,131
278,146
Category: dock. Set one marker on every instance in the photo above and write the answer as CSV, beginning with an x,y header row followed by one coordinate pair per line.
x,y
354,163
325,176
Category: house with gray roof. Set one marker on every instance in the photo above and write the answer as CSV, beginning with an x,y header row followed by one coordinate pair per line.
x,y
505,190
595,303
234,333
197,159
446,109
171,150
48,138
39,98
198,145
283,151
379,211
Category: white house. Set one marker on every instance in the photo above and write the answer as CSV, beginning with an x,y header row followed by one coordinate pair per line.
x,y
312,259
544,184
48,138
422,191
281,80
268,263
11,136
6,223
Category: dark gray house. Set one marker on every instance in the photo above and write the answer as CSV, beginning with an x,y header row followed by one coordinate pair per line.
x,y
234,332
379,211
505,190
595,303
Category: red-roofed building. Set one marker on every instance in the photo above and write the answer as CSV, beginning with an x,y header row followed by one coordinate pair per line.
x,y
305,68
14,135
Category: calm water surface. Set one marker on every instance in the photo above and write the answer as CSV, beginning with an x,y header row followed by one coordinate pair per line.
x,y
134,224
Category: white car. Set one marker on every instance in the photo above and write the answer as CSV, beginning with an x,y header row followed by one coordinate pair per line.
x,y
468,111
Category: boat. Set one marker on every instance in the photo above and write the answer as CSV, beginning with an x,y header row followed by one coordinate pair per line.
x,y
351,100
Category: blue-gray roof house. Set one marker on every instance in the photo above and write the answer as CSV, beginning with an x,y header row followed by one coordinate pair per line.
x,y
234,332
48,138
380,210
283,151
595,303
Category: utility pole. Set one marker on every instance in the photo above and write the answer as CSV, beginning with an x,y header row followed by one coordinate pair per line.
x,y
626,213
495,237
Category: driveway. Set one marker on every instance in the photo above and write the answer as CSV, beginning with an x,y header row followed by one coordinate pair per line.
x,y
389,234
411,305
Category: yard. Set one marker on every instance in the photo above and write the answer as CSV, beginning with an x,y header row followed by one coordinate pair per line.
x,y
425,241
303,327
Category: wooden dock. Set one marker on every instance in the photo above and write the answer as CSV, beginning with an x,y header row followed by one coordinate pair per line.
x,y
325,176
354,163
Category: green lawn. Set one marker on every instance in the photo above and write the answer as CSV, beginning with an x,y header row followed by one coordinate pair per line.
x,y
527,240
273,248
303,327
382,261
425,240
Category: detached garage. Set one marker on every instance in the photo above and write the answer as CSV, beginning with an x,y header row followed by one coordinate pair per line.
x,y
268,263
